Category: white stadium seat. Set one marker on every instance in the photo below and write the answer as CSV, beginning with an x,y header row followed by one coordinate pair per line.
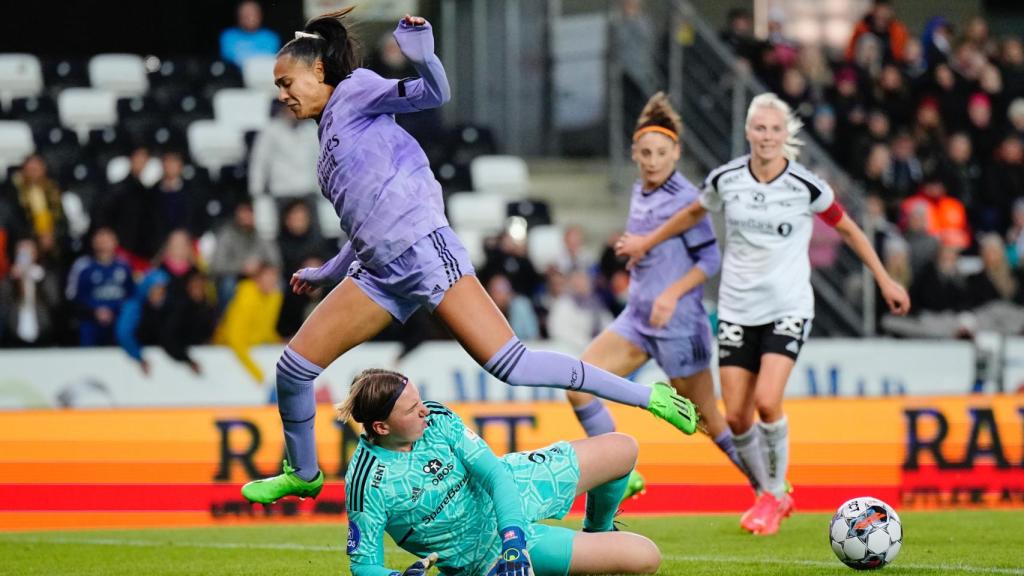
x,y
258,73
473,240
119,167
122,74
15,144
506,175
21,76
242,108
84,109
214,145
546,246
477,210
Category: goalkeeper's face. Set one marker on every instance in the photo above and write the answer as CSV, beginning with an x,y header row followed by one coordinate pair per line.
x,y
408,418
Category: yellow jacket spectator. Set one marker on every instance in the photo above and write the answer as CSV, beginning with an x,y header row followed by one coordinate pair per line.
x,y
251,316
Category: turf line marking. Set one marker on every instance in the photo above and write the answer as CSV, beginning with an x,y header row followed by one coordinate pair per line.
x,y
953,568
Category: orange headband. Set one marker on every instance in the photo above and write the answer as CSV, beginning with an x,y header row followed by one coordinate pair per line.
x,y
658,129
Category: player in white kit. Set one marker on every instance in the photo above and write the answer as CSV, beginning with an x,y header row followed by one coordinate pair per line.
x,y
765,302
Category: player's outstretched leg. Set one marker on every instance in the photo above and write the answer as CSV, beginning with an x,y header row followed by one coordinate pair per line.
x,y
479,326
613,553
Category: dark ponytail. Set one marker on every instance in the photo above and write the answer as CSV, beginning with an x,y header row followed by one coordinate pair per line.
x,y
335,47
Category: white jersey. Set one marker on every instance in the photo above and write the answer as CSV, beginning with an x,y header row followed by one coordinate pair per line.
x,y
766,272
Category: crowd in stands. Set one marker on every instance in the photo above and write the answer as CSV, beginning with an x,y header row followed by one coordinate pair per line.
x,y
931,122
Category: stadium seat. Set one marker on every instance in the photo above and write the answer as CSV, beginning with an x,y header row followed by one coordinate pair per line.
x,y
219,75
473,240
545,245
477,210
106,144
185,72
122,74
84,179
506,175
213,145
242,108
15,144
59,147
258,73
536,212
21,76
84,109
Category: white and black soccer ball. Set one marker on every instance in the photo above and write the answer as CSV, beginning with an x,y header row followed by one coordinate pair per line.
x,y
866,533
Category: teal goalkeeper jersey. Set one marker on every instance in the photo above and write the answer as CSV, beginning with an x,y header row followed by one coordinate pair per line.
x,y
450,494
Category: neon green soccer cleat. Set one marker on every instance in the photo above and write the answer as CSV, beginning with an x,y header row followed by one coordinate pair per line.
x,y
270,490
636,486
673,408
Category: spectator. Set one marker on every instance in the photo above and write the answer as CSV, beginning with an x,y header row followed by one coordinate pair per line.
x,y
922,244
29,299
823,126
1005,184
786,50
929,134
248,38
892,95
507,256
960,173
576,256
577,316
1015,235
141,315
298,243
104,283
35,201
178,205
915,68
130,211
814,67
881,23
240,252
940,287
796,93
850,114
976,34
907,172
1015,114
868,58
996,280
613,280
251,316
947,217
739,35
516,308
937,41
1012,62
877,132
283,162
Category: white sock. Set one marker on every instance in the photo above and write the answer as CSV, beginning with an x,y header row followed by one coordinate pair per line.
x,y
748,446
775,445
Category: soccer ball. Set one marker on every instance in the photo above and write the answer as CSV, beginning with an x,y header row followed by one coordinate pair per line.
x,y
865,533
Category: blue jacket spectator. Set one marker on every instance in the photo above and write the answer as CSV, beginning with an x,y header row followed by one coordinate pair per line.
x,y
150,294
103,284
248,39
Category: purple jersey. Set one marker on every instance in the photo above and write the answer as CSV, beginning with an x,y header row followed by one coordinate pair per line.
x,y
373,172
669,261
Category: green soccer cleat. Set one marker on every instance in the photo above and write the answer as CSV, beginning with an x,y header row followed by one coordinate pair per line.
x,y
678,411
635,486
270,490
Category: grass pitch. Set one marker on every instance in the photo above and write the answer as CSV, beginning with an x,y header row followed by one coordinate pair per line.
x,y
939,543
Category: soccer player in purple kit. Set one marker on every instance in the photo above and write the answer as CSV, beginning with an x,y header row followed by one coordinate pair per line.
x,y
401,253
765,300
664,317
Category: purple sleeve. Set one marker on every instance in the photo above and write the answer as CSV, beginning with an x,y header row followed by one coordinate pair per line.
x,y
430,90
703,248
332,271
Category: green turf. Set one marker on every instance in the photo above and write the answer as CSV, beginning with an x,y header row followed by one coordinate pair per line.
x,y
942,543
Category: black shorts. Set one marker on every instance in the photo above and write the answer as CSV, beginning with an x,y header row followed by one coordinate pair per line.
x,y
743,346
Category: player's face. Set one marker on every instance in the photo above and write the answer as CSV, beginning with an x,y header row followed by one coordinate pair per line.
x,y
656,156
408,418
301,86
766,134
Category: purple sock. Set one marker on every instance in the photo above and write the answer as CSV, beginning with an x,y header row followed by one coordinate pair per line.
x,y
725,444
296,403
595,418
520,366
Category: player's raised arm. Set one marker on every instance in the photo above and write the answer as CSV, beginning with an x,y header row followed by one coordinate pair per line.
x,y
416,40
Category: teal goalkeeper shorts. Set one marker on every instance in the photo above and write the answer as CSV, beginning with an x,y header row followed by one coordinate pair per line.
x,y
547,480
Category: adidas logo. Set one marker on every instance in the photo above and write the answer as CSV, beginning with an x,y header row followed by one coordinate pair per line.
x,y
437,290
793,347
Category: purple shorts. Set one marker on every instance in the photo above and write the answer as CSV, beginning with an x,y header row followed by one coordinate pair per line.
x,y
679,357
419,276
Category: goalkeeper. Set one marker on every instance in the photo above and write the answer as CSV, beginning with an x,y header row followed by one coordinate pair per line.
x,y
436,487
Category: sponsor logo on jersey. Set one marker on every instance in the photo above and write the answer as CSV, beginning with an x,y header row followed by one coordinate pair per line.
x,y
378,475
789,326
353,537
448,497
785,229
433,467
416,493
438,469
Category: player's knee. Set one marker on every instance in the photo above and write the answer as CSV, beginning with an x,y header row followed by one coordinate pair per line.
x,y
647,559
739,423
